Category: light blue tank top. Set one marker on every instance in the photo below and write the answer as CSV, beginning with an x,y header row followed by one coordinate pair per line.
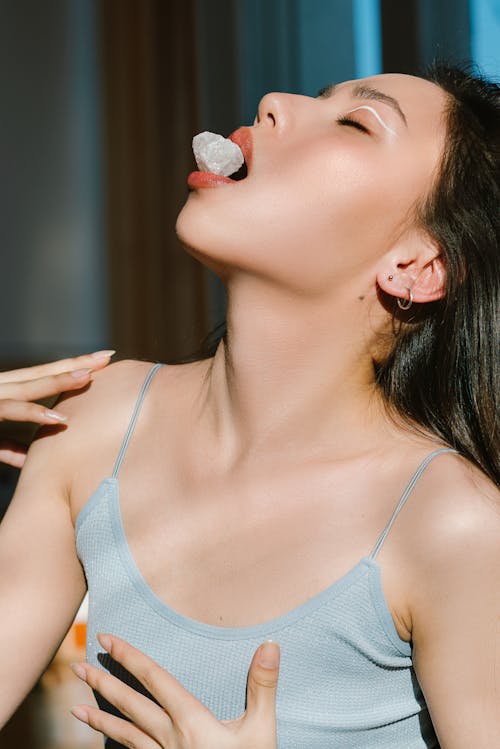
x,y
346,678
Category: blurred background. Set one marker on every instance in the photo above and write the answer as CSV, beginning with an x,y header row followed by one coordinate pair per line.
x,y
99,102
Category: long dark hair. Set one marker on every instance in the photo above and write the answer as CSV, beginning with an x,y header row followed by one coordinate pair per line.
x,y
441,375
442,372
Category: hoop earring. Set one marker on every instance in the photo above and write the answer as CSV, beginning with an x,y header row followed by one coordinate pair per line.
x,y
405,304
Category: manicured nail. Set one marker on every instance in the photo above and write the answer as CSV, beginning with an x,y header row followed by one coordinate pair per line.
x,y
79,671
103,354
55,415
105,641
269,656
80,713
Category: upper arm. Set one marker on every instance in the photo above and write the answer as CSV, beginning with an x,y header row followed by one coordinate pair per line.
x,y
456,623
41,580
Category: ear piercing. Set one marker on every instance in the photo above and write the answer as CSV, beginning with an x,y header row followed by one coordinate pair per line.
x,y
405,304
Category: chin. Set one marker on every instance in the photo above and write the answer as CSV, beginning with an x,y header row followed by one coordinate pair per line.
x,y
193,237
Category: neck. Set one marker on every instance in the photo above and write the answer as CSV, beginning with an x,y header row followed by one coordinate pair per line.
x,y
294,377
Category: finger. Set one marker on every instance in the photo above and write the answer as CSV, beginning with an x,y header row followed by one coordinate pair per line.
x,y
116,728
31,390
13,410
180,704
143,712
12,454
96,360
263,681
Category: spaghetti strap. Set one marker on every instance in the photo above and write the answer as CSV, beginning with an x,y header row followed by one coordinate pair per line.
x,y
405,496
135,414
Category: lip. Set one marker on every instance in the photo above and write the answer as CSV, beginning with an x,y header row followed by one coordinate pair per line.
x,y
207,179
243,138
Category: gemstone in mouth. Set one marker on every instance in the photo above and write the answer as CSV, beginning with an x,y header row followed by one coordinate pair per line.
x,y
216,154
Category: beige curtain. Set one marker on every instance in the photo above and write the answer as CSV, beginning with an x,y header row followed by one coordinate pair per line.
x,y
157,293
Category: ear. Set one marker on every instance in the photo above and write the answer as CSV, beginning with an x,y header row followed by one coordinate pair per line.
x,y
414,264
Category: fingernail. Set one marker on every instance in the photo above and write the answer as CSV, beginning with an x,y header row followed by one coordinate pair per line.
x,y
55,415
269,656
103,354
80,713
105,641
79,374
79,671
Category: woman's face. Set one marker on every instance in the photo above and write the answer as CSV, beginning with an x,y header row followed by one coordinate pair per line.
x,y
332,184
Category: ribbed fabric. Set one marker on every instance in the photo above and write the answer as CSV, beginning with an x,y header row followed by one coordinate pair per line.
x,y
346,678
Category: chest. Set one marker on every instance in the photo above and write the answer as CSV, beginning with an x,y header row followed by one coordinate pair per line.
x,y
342,670
243,550
343,675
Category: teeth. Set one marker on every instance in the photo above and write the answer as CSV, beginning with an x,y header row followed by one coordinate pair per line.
x,y
216,154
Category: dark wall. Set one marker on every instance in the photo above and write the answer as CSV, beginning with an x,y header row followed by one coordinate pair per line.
x,y
52,285
415,32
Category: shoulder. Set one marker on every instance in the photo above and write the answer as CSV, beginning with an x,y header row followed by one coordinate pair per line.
x,y
97,417
100,407
120,378
90,412
115,389
118,385
454,499
455,539
455,607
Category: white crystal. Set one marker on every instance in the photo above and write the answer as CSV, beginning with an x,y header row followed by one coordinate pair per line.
x,y
216,154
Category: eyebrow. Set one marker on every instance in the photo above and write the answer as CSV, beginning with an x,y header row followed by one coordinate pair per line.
x,y
361,91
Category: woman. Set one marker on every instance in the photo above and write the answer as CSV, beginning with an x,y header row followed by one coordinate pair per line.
x,y
255,493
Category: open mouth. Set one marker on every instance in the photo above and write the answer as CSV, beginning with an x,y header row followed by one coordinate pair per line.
x,y
241,173
203,177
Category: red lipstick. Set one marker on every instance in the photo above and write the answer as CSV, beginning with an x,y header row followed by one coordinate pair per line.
x,y
243,138
207,179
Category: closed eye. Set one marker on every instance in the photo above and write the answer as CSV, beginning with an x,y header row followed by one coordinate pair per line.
x,y
352,123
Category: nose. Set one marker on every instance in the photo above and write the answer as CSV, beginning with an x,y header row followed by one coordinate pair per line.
x,y
274,111
283,111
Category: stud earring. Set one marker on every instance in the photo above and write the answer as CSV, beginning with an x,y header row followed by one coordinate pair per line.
x,y
405,304
389,278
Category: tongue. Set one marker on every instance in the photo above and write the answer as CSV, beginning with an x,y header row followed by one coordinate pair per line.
x,y
216,154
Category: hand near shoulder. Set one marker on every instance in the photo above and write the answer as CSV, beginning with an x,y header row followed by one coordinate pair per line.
x,y
20,387
176,719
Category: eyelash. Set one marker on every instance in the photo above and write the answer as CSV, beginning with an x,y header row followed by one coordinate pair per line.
x,y
353,123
